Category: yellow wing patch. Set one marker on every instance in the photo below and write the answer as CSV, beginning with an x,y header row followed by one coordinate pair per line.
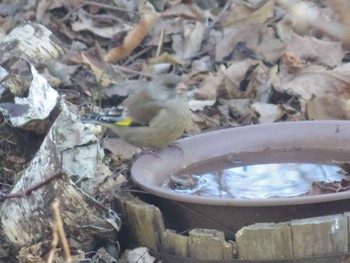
x,y
124,122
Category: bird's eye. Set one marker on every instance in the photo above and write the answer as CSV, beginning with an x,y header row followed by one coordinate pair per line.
x,y
169,84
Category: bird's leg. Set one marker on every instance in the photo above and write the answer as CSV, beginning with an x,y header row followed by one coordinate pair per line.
x,y
175,145
150,151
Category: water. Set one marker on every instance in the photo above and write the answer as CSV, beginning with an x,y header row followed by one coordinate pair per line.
x,y
272,180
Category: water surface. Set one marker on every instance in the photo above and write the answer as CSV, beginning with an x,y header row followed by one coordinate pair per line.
x,y
272,180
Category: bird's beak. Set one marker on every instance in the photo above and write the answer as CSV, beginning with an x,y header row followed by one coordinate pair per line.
x,y
181,88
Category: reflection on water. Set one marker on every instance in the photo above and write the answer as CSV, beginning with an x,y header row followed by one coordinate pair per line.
x,y
254,181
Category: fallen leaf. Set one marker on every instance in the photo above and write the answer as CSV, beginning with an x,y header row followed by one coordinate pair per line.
x,y
266,44
98,67
33,253
243,79
140,254
165,58
209,84
329,187
85,22
203,64
148,17
182,10
238,108
327,107
267,113
232,37
319,81
189,44
120,149
258,16
204,122
314,50
198,105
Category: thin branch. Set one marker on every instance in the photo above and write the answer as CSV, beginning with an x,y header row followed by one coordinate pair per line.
x,y
60,229
28,191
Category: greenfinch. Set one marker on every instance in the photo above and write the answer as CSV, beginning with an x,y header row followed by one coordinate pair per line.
x,y
161,110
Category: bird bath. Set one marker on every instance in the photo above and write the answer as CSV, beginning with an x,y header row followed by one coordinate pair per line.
x,y
315,142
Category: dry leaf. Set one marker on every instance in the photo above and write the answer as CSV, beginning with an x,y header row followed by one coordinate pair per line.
x,y
192,127
319,81
140,254
258,16
235,112
85,22
182,10
314,50
266,44
342,7
5,25
203,64
233,36
243,79
329,187
291,65
148,17
98,67
236,12
165,58
302,13
32,253
204,122
327,107
208,86
189,43
267,113
237,107
199,105
120,149
106,182
307,14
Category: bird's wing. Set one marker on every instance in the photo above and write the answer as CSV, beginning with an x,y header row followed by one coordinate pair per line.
x,y
141,107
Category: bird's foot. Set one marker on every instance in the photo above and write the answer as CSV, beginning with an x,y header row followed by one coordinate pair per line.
x,y
150,151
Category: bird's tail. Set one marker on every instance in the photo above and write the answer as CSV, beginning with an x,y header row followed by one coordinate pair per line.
x,y
104,120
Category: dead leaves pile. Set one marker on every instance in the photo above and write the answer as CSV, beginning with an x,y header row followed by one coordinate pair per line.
x,y
246,62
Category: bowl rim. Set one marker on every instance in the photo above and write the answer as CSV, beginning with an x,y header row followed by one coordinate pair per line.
x,y
340,129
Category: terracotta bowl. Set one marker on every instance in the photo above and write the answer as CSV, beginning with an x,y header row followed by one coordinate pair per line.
x,y
305,142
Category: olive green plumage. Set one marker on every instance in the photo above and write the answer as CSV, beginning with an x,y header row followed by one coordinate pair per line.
x,y
159,108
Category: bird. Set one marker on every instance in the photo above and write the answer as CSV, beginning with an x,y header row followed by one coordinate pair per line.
x,y
160,109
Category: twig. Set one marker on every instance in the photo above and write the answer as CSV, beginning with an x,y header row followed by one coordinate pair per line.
x,y
4,184
54,244
28,191
62,235
133,57
219,17
139,73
